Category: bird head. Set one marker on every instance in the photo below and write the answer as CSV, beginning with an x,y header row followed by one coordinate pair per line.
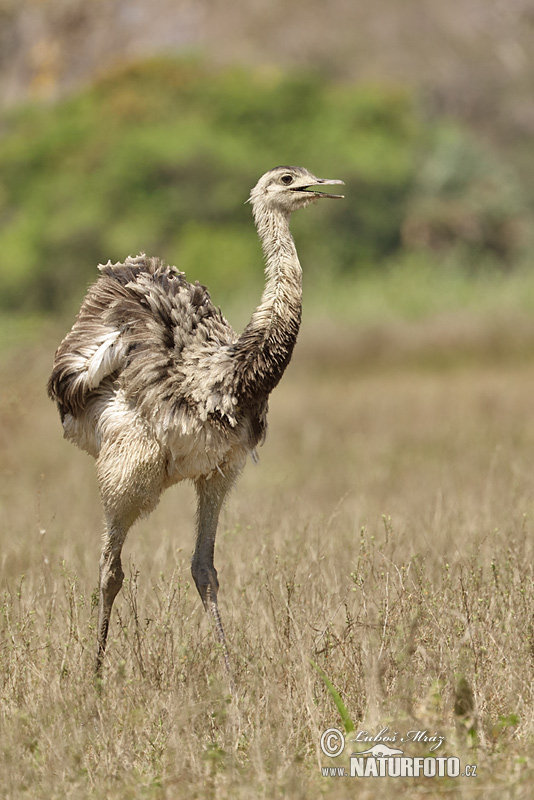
x,y
289,188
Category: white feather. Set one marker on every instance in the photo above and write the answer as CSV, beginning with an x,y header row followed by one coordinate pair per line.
x,y
104,360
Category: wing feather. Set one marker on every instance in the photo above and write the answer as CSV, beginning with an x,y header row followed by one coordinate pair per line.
x,y
159,337
105,360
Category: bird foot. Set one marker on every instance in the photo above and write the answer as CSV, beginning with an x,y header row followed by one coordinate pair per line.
x,y
209,599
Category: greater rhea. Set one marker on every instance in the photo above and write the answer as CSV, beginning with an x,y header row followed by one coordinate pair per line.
x,y
153,382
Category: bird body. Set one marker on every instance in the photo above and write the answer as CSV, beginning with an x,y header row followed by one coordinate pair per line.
x,y
154,384
150,352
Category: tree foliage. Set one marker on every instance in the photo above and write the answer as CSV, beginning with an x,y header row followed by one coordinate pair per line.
x,y
158,156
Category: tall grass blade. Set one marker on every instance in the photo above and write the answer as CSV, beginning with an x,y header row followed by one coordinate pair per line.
x,y
336,697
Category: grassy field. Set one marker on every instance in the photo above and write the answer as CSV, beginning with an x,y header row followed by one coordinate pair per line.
x,y
386,536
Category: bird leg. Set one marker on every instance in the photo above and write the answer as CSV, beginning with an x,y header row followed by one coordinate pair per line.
x,y
130,469
210,604
111,578
211,493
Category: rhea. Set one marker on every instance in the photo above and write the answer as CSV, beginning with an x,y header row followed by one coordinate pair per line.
x,y
154,384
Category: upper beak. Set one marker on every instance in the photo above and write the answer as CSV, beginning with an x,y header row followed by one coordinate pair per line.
x,y
320,182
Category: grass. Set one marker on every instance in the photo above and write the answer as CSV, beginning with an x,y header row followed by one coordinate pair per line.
x,y
386,537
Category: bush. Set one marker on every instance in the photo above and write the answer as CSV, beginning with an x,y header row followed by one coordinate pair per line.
x,y
159,157
465,199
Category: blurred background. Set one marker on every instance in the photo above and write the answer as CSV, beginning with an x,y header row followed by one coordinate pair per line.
x,y
128,126
387,533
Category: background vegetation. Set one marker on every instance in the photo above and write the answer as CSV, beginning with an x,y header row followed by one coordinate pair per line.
x,y
387,534
159,157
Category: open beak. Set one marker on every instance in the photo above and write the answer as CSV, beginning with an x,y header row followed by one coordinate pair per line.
x,y
309,188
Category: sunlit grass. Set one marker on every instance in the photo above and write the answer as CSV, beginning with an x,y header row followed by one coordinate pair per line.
x,y
386,536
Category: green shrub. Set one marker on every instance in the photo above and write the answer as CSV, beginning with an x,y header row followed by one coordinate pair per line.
x,y
466,199
159,156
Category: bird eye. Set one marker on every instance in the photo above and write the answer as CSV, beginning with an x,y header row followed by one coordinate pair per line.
x,y
287,179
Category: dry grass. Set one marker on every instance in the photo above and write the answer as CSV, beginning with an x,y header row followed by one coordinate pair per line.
x,y
387,535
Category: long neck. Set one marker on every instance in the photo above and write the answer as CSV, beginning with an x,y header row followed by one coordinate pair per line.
x,y
264,349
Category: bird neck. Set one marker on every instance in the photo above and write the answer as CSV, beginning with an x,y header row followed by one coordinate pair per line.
x,y
264,349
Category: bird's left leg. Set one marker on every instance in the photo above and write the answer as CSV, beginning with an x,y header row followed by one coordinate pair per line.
x,y
211,493
110,582
130,471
